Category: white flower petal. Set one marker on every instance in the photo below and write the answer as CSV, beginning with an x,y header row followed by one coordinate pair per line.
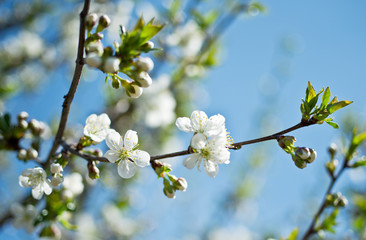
x,y
198,119
130,139
184,124
126,169
112,155
211,168
104,119
91,119
37,192
215,126
190,161
23,181
114,140
198,141
47,188
141,158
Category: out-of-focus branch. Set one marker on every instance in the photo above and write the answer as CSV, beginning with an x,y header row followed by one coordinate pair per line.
x,y
74,84
311,229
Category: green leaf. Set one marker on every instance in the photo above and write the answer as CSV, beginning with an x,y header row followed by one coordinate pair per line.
x,y
294,234
310,92
333,124
314,100
329,222
331,108
325,98
357,140
68,225
359,163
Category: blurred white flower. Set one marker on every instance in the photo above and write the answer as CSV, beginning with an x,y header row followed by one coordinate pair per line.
x,y
24,216
145,64
124,153
213,151
111,65
36,178
73,185
97,127
200,123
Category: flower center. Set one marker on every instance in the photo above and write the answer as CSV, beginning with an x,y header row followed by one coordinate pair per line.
x,y
35,179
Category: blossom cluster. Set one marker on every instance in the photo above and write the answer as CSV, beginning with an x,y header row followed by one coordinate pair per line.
x,y
209,142
126,56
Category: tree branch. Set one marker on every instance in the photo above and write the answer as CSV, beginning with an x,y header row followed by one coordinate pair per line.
x,y
74,84
311,229
234,146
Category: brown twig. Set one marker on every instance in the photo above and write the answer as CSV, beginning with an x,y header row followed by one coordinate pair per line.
x,y
234,146
74,84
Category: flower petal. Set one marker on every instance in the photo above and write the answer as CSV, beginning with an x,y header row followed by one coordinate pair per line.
x,y
104,120
198,119
126,169
131,139
215,126
47,188
114,140
211,168
112,155
141,158
37,192
190,161
23,181
184,124
198,141
91,119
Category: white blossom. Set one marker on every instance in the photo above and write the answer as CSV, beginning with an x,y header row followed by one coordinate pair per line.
x,y
24,216
212,151
124,153
137,91
144,79
200,123
97,127
36,178
93,60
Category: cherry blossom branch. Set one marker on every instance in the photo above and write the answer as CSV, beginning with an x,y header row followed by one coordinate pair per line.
x,y
74,84
234,146
311,229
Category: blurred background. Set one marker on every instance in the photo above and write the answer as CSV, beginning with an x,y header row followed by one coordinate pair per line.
x,y
248,61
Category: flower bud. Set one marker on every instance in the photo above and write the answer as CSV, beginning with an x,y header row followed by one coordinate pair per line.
x,y
115,83
300,163
145,64
342,201
23,116
93,60
134,91
312,156
93,170
169,191
181,184
143,79
332,150
286,143
303,152
34,126
95,47
56,168
23,124
22,154
57,179
91,20
104,22
32,153
331,166
111,65
148,45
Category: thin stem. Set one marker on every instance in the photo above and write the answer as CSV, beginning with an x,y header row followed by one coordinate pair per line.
x,y
235,146
74,84
311,229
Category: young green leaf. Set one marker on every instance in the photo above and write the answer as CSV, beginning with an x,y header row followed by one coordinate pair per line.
x,y
294,234
331,108
333,124
329,222
310,92
325,98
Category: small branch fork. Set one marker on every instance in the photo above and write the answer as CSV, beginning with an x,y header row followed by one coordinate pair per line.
x,y
234,146
74,84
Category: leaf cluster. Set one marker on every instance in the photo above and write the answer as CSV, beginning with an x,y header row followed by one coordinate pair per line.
x,y
320,113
